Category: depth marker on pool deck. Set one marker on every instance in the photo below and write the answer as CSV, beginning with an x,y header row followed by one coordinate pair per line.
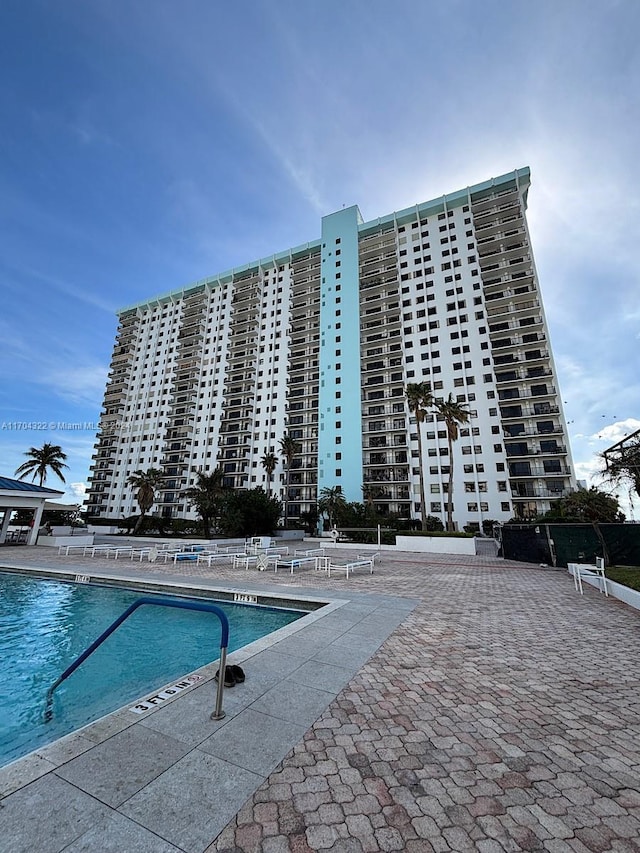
x,y
167,693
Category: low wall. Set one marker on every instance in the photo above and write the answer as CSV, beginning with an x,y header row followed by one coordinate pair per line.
x,y
67,530
55,541
289,534
437,544
417,544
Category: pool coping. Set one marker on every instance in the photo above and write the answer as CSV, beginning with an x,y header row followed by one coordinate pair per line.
x,y
293,675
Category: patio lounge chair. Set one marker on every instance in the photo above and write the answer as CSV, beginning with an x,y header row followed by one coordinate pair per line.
x,y
581,570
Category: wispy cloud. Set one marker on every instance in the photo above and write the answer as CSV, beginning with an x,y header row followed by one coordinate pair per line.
x,y
81,293
80,385
58,366
298,169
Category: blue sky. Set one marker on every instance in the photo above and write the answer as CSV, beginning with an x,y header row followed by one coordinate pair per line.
x,y
145,145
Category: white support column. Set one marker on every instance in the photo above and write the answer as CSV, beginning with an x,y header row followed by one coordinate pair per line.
x,y
5,524
37,518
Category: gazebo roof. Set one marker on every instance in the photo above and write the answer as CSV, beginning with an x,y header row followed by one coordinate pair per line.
x,y
9,485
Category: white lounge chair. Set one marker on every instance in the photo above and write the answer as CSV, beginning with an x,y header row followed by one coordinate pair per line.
x,y
581,570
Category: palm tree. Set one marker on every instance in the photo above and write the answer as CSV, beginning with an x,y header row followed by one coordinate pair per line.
x,y
332,502
205,495
453,413
269,462
288,449
145,482
419,397
371,493
49,456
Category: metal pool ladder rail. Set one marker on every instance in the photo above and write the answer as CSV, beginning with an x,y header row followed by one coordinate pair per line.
x,y
218,713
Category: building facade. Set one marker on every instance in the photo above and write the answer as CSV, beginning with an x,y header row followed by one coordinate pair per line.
x,y
320,342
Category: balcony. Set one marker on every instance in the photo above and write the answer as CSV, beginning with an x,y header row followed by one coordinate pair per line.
x,y
174,462
519,470
513,432
519,300
508,249
121,356
188,364
114,396
190,335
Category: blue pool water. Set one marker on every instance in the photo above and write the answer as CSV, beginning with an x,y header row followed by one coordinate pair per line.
x,y
45,625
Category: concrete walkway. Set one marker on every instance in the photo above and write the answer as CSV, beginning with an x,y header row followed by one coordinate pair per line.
x,y
501,713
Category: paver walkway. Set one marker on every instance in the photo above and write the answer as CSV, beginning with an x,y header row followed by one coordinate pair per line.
x,y
503,714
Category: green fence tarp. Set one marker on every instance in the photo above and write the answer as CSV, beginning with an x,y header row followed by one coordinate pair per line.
x,y
560,544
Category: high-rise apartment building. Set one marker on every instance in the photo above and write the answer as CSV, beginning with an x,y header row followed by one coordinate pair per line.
x,y
320,342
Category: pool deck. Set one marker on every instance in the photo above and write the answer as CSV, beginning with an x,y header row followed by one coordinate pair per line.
x,y
443,703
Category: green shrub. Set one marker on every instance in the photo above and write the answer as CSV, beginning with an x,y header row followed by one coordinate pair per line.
x,y
370,537
184,527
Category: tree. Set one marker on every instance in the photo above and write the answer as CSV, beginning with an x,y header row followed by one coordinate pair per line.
x,y
371,493
488,526
453,413
288,449
205,496
419,398
622,463
590,506
332,502
248,512
269,462
41,459
309,519
145,482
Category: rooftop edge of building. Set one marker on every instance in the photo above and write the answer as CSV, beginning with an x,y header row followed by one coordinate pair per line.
x,y
437,205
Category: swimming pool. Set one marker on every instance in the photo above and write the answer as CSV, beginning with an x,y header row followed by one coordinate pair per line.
x,y
45,624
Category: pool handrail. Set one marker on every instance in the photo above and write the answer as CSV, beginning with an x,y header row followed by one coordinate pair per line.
x,y
205,606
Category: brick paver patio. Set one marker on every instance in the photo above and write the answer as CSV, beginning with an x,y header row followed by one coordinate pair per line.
x,y
503,715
